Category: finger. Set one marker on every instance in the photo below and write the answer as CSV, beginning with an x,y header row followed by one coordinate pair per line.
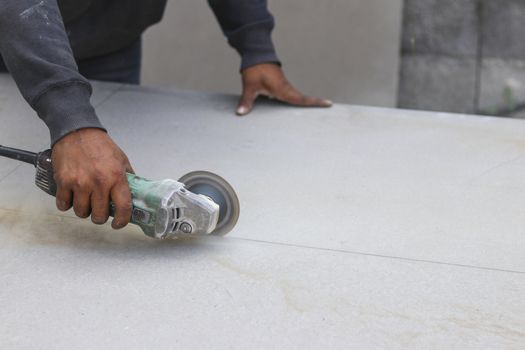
x,y
264,93
121,197
100,207
82,203
246,102
318,102
64,199
290,95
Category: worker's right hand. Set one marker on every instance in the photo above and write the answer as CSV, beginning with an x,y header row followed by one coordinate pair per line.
x,y
90,171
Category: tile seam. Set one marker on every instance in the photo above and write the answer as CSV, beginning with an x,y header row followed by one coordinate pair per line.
x,y
384,256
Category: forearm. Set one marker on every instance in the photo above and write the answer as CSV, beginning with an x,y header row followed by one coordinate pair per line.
x,y
248,26
36,50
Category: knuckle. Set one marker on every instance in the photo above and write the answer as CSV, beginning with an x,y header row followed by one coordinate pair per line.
x,y
116,173
126,206
62,180
80,182
60,183
100,180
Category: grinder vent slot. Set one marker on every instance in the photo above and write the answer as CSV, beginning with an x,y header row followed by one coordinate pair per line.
x,y
175,213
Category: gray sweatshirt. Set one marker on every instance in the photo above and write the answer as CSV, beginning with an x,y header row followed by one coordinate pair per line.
x,y
40,41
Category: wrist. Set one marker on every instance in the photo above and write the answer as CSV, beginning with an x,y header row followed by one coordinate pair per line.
x,y
262,65
82,134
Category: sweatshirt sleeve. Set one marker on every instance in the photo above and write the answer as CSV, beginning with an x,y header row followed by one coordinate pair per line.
x,y
36,51
248,26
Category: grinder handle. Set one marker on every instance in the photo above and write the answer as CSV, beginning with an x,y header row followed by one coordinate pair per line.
x,y
18,154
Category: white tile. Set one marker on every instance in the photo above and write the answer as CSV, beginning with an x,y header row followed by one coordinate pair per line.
x,y
353,178
376,181
94,288
391,203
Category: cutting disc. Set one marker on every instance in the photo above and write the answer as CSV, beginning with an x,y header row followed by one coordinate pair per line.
x,y
221,192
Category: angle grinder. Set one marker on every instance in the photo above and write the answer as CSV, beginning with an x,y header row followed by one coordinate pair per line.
x,y
200,203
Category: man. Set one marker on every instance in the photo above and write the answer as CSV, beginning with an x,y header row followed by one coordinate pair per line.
x,y
52,48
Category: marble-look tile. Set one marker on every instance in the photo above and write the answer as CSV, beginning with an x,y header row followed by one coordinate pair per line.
x,y
365,227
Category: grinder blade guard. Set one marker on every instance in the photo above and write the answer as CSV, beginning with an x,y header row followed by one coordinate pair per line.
x,y
221,192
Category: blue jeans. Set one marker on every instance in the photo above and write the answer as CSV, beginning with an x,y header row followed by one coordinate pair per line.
x,y
122,66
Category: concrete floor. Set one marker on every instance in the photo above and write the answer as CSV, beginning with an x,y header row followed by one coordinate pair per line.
x,y
360,228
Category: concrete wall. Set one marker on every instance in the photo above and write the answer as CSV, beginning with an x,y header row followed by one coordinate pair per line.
x,y
463,56
346,50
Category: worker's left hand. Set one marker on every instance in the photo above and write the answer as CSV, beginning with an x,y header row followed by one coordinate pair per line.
x,y
268,79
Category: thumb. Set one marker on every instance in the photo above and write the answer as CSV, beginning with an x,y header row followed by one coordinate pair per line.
x,y
246,102
129,169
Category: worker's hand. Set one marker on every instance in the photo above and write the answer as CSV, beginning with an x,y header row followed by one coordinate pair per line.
x,y
268,79
90,171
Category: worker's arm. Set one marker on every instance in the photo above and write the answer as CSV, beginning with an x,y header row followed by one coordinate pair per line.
x,y
248,25
88,166
37,53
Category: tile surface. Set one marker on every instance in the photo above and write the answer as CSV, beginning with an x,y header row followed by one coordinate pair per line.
x,y
374,227
92,288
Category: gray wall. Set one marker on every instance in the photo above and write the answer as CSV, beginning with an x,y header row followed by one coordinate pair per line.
x,y
346,50
464,56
